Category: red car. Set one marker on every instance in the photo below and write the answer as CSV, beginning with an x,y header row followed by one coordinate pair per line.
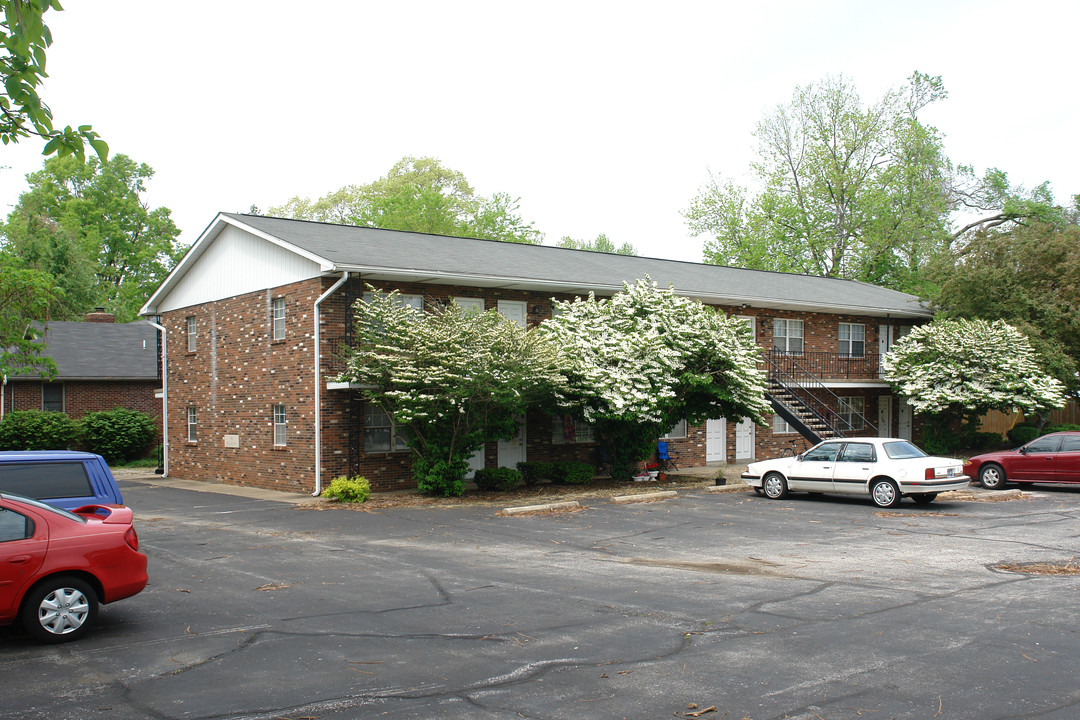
x,y
57,566
1053,458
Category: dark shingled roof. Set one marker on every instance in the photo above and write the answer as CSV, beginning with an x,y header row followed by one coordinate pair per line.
x,y
376,252
102,351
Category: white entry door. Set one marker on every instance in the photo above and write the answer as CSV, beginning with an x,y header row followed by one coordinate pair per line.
x,y
513,310
904,426
715,435
476,462
884,416
744,440
512,451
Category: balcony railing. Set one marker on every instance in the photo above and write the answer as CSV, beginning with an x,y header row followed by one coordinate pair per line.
x,y
826,365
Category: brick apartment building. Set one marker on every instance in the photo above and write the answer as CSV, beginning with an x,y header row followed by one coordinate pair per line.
x,y
257,312
101,365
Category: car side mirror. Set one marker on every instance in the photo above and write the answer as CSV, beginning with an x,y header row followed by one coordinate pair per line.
x,y
1023,450
799,457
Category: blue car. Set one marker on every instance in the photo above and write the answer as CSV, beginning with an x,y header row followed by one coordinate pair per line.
x,y
63,478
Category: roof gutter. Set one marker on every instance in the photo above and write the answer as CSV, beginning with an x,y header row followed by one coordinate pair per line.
x,y
318,383
164,397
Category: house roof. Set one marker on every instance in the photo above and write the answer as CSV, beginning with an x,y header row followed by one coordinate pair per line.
x,y
379,254
102,351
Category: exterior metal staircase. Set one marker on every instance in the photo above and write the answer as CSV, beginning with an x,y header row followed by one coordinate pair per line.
x,y
808,406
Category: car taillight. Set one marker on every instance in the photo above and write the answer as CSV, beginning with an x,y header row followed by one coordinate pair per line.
x,y
932,473
132,538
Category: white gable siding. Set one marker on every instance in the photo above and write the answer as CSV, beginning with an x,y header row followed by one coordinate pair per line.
x,y
235,263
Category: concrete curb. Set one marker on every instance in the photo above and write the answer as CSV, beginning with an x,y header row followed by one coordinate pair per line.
x,y
645,497
729,488
540,508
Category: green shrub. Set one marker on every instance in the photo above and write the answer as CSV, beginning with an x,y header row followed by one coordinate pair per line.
x,y
348,489
118,434
1021,434
502,479
38,430
531,472
570,473
442,478
986,441
1064,427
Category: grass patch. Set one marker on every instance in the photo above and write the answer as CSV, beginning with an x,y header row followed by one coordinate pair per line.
x,y
1069,567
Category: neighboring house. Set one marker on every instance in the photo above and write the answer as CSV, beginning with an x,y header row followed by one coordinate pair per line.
x,y
258,311
101,365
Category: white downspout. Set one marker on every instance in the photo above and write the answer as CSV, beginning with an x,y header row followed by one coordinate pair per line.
x,y
3,390
164,396
318,384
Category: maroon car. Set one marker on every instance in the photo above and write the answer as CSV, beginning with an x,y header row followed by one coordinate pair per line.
x,y
56,566
1053,458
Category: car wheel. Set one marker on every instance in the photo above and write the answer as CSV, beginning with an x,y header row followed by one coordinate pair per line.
x,y
992,477
923,498
885,493
60,610
775,486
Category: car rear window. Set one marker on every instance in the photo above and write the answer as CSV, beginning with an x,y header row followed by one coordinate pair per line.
x,y
45,479
901,450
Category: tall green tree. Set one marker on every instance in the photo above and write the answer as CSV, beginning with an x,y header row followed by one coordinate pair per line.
x,y
600,244
453,378
419,195
855,190
25,38
89,226
26,296
1028,276
645,358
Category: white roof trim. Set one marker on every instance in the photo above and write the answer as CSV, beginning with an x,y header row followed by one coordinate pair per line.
x,y
199,246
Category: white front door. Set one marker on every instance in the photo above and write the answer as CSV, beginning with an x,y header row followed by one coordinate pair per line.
x,y
744,440
513,310
884,416
715,434
904,428
512,451
476,462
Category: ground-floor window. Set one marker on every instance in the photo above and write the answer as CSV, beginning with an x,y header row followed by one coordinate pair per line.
x,y
192,423
677,431
52,397
780,426
280,425
567,429
380,432
851,411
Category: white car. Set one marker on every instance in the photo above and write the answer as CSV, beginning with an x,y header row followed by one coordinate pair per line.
x,y
886,469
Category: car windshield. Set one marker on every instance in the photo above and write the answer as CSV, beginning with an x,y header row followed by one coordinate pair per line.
x,y
902,449
42,506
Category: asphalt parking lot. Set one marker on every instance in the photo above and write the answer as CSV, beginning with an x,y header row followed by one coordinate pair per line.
x,y
719,606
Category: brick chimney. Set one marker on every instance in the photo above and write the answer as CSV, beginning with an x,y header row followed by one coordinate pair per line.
x,y
100,316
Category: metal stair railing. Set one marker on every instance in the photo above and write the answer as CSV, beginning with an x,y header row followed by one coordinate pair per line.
x,y
812,399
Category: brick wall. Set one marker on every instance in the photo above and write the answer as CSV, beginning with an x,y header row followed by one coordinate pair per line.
x,y
237,373
84,396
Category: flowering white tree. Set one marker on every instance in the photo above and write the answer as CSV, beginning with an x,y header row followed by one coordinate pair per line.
x,y
959,369
642,360
453,378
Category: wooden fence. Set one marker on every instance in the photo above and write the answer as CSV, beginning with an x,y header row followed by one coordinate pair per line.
x,y
1000,422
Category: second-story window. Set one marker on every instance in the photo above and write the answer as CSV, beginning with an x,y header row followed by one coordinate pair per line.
x,y
192,423
788,335
191,334
279,318
852,340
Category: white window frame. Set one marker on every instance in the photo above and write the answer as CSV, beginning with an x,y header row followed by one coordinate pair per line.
x,y
192,332
398,437
783,337
281,425
677,431
278,318
780,426
850,406
582,430
192,424
470,303
851,330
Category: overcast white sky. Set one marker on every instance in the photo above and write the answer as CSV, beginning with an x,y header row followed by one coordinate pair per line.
x,y
602,117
